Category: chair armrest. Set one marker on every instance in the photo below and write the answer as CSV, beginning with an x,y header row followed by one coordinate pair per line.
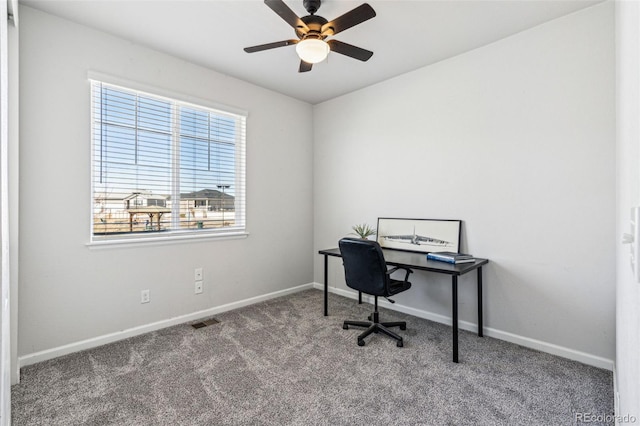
x,y
406,277
392,270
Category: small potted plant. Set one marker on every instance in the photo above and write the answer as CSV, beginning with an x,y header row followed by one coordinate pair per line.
x,y
364,231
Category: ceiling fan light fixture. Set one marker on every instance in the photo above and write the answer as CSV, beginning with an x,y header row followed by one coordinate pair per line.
x,y
312,50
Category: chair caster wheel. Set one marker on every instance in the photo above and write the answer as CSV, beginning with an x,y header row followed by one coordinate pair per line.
x,y
360,342
399,344
345,327
403,327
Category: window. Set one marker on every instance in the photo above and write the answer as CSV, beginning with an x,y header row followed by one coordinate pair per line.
x,y
163,167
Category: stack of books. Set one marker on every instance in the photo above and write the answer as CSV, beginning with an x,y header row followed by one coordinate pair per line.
x,y
450,257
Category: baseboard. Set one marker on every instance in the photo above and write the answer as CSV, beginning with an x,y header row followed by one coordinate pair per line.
x,y
539,345
135,331
550,348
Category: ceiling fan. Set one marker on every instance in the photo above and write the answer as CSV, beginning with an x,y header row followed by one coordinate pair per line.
x,y
312,30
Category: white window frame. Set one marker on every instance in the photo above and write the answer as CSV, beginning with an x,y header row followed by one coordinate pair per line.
x,y
239,230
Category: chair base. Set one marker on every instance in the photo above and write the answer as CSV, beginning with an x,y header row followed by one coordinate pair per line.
x,y
377,327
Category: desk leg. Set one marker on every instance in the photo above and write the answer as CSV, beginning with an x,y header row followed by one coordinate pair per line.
x,y
454,318
326,285
480,332
360,298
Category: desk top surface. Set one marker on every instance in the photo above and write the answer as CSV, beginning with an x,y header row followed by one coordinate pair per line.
x,y
419,261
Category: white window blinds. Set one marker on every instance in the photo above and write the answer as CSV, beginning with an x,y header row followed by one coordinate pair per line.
x,y
163,167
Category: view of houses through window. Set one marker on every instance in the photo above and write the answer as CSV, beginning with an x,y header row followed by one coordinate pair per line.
x,y
164,166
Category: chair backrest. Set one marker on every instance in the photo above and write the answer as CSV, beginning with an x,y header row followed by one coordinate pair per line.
x,y
364,266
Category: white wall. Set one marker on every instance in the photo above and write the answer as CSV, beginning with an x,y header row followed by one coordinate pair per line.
x,y
518,140
69,293
628,192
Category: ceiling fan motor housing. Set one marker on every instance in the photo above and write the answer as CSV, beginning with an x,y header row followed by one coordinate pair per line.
x,y
314,23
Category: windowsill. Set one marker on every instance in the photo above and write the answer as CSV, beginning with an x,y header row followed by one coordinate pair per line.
x,y
174,239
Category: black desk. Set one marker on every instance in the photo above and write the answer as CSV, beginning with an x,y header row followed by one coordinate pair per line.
x,y
419,261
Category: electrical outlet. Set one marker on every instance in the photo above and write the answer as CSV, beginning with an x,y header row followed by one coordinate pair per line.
x,y
198,274
198,287
145,297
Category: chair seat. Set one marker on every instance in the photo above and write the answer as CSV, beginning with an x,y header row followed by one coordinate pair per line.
x,y
396,286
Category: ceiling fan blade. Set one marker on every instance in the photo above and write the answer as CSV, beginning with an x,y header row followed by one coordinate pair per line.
x,y
279,7
304,66
349,19
270,46
349,50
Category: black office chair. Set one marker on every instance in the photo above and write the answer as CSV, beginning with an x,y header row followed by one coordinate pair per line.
x,y
366,271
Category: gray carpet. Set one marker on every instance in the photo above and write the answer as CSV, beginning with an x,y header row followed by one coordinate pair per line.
x,y
281,362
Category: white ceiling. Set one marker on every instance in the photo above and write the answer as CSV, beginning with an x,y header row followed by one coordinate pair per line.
x,y
405,35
